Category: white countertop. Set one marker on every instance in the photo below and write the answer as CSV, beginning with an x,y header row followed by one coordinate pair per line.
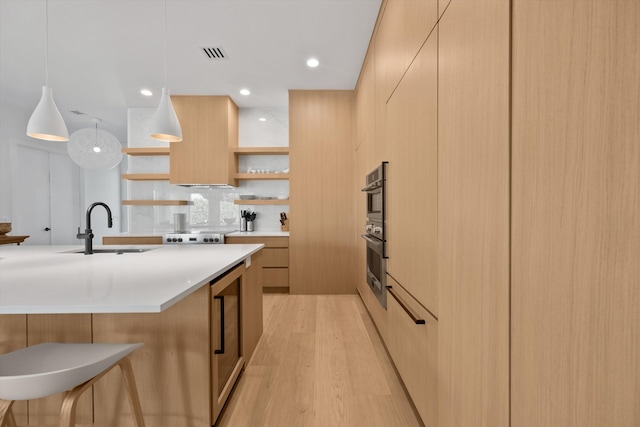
x,y
50,279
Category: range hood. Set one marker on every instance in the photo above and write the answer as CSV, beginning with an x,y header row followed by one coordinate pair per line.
x,y
204,158
207,186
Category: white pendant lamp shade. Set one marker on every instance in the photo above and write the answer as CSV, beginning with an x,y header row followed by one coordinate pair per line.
x,y
94,149
46,121
164,124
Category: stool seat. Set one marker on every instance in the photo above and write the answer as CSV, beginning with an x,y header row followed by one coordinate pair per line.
x,y
50,368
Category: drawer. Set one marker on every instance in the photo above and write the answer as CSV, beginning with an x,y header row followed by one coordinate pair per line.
x,y
269,242
275,277
414,350
275,257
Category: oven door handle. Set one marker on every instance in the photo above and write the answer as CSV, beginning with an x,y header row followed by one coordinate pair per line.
x,y
371,240
372,186
221,350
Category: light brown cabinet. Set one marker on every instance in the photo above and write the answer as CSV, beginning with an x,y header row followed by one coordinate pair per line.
x,y
210,133
412,340
275,260
404,27
323,250
538,183
575,325
473,213
412,178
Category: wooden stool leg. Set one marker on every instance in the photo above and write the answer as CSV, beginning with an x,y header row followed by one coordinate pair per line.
x,y
6,414
132,391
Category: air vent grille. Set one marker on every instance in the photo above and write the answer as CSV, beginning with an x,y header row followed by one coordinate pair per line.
x,y
214,53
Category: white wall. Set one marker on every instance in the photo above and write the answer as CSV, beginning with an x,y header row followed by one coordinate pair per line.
x,y
95,186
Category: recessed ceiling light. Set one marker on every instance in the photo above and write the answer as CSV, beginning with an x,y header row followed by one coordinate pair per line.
x,y
245,92
146,92
262,119
313,62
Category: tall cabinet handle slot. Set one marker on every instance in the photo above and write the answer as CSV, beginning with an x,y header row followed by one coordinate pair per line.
x,y
406,308
221,350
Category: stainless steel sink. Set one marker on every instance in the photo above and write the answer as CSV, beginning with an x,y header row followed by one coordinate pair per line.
x,y
117,251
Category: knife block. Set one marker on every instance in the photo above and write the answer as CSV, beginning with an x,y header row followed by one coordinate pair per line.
x,y
285,226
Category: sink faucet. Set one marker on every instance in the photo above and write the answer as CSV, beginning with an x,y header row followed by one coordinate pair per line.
x,y
88,233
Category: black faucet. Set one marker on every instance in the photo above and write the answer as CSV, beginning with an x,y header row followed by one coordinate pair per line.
x,y
88,233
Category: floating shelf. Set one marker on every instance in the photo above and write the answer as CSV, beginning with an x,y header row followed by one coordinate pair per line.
x,y
146,176
147,151
261,176
156,202
275,151
261,202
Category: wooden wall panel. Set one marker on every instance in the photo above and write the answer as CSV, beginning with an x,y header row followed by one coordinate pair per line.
x,y
576,203
473,213
322,225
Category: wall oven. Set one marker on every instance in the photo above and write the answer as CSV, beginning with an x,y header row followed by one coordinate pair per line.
x,y
375,234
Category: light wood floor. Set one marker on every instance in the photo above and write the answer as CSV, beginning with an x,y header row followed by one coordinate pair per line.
x,y
319,363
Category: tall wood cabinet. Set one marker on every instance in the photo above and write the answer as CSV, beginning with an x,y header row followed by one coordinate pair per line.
x,y
537,198
473,213
575,271
412,178
322,248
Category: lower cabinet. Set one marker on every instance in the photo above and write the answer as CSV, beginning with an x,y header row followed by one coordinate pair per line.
x,y
275,260
412,341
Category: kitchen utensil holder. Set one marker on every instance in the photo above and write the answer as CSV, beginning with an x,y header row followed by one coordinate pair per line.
x,y
243,224
249,225
285,226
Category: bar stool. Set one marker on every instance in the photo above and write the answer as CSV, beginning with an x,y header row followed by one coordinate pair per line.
x,y
50,368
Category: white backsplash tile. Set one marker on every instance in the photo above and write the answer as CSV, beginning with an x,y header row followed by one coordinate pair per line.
x,y
210,208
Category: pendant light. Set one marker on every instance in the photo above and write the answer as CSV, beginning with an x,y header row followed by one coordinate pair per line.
x,y
93,148
164,124
46,121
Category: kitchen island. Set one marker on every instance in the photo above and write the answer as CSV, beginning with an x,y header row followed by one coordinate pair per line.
x,y
161,297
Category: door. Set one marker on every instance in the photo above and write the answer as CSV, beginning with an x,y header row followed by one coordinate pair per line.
x,y
46,195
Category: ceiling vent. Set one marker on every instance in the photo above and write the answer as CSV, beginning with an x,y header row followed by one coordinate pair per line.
x,y
214,52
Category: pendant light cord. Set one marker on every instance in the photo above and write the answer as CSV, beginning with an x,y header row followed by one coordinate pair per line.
x,y
46,30
165,43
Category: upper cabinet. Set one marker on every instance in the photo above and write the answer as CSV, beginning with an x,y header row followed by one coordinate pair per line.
x,y
210,133
404,28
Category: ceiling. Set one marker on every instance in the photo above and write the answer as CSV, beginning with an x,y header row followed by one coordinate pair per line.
x,y
103,52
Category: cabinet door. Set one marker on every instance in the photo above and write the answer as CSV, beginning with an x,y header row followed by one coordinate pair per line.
x,y
404,27
576,204
412,178
473,213
414,349
322,245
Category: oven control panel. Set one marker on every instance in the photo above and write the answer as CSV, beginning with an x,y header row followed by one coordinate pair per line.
x,y
193,238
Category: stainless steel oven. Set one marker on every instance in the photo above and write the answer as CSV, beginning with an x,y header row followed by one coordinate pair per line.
x,y
375,234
